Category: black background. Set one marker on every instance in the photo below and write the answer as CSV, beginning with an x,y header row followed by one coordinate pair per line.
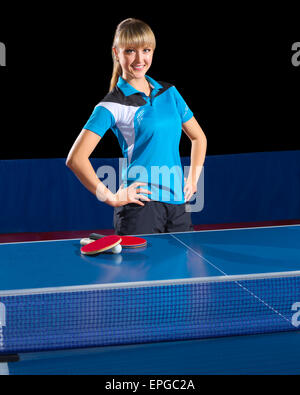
x,y
232,66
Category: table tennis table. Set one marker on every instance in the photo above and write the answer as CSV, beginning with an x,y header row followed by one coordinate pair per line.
x,y
228,276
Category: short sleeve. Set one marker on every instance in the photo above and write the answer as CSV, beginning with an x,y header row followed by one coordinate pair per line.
x,y
183,109
100,121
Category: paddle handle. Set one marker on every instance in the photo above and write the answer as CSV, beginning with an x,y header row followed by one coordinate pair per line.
x,y
95,236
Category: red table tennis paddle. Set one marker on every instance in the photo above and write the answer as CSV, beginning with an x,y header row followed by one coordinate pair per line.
x,y
104,244
127,241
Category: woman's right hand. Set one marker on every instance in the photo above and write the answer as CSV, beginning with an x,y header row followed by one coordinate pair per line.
x,y
131,194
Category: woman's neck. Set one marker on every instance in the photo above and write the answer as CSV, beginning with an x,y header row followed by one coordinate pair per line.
x,y
140,84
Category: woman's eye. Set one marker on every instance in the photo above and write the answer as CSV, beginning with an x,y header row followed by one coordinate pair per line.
x,y
130,51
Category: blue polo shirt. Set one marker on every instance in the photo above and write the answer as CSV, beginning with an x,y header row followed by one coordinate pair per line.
x,y
148,130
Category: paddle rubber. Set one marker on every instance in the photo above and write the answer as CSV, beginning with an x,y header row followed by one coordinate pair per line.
x,y
101,245
127,241
115,250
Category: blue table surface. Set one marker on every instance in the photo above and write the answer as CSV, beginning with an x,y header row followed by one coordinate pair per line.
x,y
167,256
275,353
170,256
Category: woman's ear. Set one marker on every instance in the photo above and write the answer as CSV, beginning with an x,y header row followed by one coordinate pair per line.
x,y
115,52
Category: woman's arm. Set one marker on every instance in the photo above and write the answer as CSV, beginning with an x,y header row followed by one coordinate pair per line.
x,y
78,161
198,151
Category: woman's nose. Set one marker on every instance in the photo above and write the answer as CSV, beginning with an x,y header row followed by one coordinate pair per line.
x,y
139,56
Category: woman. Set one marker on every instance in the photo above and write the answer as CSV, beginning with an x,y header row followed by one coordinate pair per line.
x,y
147,117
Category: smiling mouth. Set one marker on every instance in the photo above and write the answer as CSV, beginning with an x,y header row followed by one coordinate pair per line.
x,y
138,67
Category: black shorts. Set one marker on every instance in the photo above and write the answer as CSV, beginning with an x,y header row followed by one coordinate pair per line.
x,y
154,217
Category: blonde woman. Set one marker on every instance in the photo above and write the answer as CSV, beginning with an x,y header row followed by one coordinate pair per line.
x,y
147,117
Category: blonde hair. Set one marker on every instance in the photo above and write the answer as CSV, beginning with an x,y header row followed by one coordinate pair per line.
x,y
130,32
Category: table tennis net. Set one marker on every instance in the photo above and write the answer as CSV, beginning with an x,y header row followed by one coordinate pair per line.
x,y
102,316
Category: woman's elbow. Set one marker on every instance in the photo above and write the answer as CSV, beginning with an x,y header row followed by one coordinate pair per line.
x,y
69,161
201,138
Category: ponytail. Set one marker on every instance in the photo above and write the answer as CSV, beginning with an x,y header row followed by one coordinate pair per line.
x,y
117,72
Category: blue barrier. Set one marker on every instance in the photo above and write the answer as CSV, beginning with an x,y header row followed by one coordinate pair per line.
x,y
43,195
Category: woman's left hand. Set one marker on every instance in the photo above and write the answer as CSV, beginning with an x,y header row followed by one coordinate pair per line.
x,y
189,189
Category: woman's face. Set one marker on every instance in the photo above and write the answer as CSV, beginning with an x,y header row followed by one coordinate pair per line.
x,y
135,62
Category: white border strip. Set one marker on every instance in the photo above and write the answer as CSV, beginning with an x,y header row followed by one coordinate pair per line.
x,y
155,283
